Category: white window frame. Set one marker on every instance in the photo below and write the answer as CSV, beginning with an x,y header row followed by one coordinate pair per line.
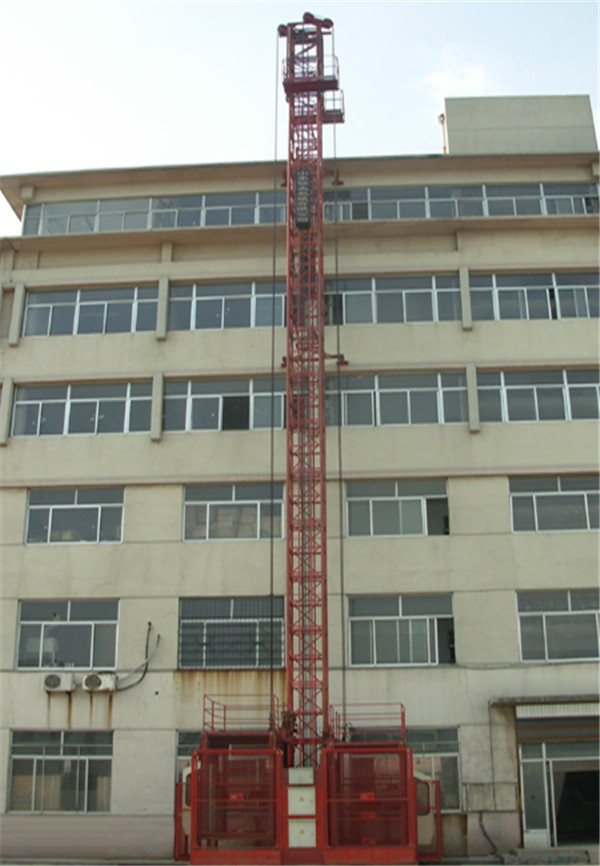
x,y
554,613
563,382
61,751
217,293
254,389
555,486
81,299
432,490
236,498
77,502
429,620
72,400
66,623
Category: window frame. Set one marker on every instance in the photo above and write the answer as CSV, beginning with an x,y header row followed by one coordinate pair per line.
x,y
552,613
71,400
82,299
586,283
423,499
555,486
45,624
60,750
566,382
430,633
197,293
78,494
220,391
237,498
233,618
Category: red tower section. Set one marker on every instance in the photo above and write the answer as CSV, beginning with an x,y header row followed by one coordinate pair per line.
x,y
310,82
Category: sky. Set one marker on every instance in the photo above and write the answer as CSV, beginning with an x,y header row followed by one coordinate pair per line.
x,y
122,83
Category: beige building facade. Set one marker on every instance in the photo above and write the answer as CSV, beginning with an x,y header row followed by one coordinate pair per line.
x,y
143,529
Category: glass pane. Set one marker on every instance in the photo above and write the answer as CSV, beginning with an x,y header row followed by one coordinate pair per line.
x,y
21,789
389,307
236,413
205,413
146,316
110,523
237,313
99,776
37,320
523,514
233,521
118,318
412,517
423,407
74,524
270,520
572,637
29,646
67,646
195,521
373,605
393,407
455,406
26,420
91,319
358,518
52,419
37,527
534,796
179,315
551,406
386,642
111,416
82,417
561,512
104,646
521,404
359,409
174,414
62,320
267,411
386,517
358,309
360,643
532,638
419,306
584,402
139,415
209,313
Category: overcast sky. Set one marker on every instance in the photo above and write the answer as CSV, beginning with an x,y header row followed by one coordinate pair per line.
x,y
133,82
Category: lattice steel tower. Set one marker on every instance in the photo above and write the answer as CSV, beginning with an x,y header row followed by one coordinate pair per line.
x,y
312,88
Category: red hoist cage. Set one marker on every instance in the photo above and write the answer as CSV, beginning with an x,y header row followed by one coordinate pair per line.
x,y
309,784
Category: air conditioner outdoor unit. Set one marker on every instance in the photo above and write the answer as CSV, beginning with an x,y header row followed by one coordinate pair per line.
x,y
59,682
95,682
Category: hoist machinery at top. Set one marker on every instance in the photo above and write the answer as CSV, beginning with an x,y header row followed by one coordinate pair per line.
x,y
310,80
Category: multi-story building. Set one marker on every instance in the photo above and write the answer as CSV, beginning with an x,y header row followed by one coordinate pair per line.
x,y
143,327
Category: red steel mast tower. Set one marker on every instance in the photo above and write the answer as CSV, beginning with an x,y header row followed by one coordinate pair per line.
x,y
310,82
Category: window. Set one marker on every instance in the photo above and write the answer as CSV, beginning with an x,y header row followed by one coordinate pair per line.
x,y
535,296
397,398
539,395
60,771
378,508
418,298
224,511
74,516
401,630
554,504
559,625
204,306
73,634
231,632
61,410
226,404
138,214
254,208
90,311
435,753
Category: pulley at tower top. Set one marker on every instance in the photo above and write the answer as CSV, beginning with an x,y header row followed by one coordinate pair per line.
x,y
309,69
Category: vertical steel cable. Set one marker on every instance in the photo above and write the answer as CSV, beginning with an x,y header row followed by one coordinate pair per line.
x,y
274,722
339,304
